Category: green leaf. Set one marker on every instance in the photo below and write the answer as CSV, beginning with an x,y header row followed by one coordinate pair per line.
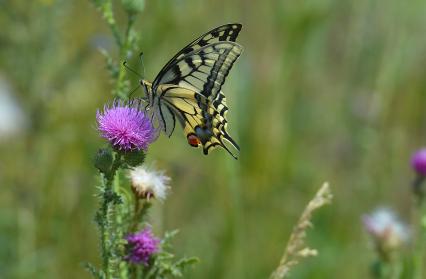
x,y
99,274
187,261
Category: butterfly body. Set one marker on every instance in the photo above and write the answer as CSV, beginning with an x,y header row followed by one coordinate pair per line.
x,y
188,89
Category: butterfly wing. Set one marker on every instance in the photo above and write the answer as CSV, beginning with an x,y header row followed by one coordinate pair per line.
x,y
189,87
224,33
203,121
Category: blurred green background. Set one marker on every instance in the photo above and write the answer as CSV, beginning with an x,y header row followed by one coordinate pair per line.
x,y
326,90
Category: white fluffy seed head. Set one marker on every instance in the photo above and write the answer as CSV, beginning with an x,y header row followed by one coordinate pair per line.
x,y
386,229
149,183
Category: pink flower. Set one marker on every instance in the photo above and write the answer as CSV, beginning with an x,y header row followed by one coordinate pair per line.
x,y
125,126
142,245
418,162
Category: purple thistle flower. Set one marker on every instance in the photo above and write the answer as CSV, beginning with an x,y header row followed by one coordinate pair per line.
x,y
142,245
418,162
125,126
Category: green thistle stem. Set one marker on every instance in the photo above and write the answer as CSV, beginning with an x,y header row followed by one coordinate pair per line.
x,y
140,210
108,14
420,218
125,43
421,230
125,47
115,166
135,222
103,215
104,218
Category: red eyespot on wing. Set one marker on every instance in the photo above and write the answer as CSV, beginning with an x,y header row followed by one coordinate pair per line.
x,y
193,140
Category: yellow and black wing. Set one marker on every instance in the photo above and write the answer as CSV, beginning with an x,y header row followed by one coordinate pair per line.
x,y
188,88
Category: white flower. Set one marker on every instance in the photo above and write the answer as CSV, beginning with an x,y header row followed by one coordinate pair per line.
x,y
385,228
148,183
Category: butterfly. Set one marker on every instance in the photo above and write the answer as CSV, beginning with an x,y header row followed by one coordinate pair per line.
x,y
188,90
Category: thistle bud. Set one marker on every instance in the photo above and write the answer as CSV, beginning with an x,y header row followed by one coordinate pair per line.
x,y
133,6
103,160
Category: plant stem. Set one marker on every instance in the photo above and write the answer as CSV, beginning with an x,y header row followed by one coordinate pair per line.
x,y
419,216
419,256
105,220
103,212
124,50
140,210
108,14
135,222
397,269
115,166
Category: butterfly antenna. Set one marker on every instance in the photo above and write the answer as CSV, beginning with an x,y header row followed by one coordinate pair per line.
x,y
143,65
133,91
131,70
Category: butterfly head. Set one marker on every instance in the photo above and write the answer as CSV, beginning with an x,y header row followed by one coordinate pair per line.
x,y
147,88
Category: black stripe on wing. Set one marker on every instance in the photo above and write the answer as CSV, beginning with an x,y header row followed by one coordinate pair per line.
x,y
218,110
200,114
167,119
205,69
227,32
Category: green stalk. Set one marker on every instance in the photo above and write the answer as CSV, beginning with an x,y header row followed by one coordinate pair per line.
x,y
420,221
124,49
136,211
108,14
140,210
105,220
102,227
420,243
397,268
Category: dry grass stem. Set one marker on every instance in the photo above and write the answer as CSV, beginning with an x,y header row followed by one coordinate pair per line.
x,y
296,248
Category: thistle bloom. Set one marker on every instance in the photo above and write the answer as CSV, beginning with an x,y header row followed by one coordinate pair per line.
x,y
142,245
418,162
386,230
147,183
125,126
